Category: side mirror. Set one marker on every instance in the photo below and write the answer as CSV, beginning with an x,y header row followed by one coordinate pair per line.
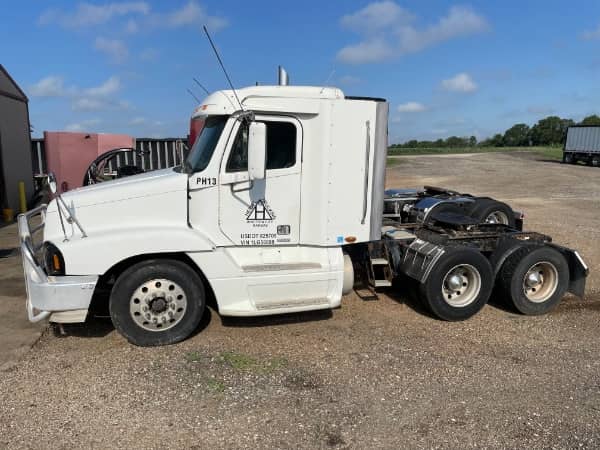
x,y
257,150
52,182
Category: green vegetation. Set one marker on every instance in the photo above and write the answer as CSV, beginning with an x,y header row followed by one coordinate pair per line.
x,y
193,356
215,385
548,132
547,152
240,361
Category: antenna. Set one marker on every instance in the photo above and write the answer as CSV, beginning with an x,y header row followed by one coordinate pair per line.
x,y
201,87
327,81
222,67
192,94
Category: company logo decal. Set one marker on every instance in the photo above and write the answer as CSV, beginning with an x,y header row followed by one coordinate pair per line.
x,y
260,211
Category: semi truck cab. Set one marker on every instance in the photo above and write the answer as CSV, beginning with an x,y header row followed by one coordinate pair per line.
x,y
272,190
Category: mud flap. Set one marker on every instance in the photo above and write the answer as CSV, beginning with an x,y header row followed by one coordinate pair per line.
x,y
578,270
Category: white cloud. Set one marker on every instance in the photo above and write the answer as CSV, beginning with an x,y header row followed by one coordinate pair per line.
x,y
137,121
376,16
110,86
115,49
389,31
411,107
84,125
88,104
370,51
460,83
94,98
51,86
591,35
87,14
190,14
349,80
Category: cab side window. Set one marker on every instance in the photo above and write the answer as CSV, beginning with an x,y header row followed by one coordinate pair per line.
x,y
281,147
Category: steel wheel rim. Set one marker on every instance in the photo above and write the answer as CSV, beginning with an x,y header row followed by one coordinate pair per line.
x,y
540,282
158,304
461,285
497,217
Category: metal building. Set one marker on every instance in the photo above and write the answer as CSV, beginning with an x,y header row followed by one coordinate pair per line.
x,y
15,142
582,144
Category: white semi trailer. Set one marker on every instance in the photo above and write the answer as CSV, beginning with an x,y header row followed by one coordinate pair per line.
x,y
278,208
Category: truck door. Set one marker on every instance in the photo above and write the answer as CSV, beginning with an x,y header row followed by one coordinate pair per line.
x,y
262,212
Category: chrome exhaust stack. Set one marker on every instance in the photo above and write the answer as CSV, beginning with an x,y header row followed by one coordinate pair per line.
x,y
284,79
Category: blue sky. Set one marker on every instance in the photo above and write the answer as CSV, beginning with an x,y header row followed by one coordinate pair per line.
x,y
447,68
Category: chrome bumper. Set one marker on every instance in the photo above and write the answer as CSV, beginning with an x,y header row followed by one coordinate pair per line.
x,y
49,296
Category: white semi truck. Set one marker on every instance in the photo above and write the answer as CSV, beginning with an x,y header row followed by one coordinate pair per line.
x,y
278,208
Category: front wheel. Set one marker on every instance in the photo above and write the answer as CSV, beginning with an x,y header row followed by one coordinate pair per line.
x,y
535,279
157,302
459,284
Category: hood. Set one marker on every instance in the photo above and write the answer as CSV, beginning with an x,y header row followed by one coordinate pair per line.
x,y
154,199
135,186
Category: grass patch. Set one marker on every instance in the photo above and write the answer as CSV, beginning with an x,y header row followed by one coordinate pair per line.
x,y
394,162
193,356
215,385
548,152
242,362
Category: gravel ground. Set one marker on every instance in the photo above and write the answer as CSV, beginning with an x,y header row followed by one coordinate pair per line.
x,y
379,374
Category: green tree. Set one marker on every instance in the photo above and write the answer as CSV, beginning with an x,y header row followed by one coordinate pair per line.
x,y
591,120
472,141
517,135
550,131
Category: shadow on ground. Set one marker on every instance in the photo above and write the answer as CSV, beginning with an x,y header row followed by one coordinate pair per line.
x,y
279,319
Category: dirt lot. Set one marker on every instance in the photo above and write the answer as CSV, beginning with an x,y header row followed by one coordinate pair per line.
x,y
378,374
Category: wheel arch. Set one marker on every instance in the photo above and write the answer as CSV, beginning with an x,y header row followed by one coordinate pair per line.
x,y
106,280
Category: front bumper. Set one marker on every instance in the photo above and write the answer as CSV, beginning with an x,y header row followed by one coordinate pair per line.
x,y
62,298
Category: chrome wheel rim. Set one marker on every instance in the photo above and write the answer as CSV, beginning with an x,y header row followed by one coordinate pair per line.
x,y
461,285
158,304
540,282
497,217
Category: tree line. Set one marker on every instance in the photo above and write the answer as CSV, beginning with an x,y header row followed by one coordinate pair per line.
x,y
550,131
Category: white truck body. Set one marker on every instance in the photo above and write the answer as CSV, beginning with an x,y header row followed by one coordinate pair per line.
x,y
279,204
264,246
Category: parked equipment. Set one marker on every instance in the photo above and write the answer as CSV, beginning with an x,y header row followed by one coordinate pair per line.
x,y
280,207
582,144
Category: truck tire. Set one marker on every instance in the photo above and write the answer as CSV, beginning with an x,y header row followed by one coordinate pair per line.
x,y
487,210
595,161
568,158
459,284
535,279
157,302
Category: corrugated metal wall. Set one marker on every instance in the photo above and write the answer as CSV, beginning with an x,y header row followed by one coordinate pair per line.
x,y
583,139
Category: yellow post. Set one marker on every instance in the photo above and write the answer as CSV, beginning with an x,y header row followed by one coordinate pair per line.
x,y
22,198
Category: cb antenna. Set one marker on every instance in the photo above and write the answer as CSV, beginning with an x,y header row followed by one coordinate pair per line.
x,y
201,87
222,67
192,94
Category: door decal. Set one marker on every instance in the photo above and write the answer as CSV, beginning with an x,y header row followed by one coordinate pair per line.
x,y
259,212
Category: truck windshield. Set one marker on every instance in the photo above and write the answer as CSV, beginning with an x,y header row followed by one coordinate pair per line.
x,y
205,144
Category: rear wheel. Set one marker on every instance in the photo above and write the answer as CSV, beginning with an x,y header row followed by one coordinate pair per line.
x,y
535,279
459,285
568,158
595,161
157,302
493,211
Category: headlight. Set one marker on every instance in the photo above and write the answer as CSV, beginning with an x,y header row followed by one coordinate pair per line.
x,y
54,263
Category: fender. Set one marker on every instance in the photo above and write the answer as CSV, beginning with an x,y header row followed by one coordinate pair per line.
x,y
95,255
